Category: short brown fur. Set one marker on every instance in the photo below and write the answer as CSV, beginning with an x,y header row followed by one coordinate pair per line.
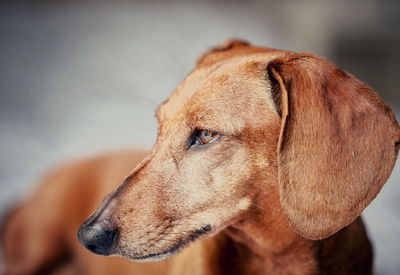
x,y
302,149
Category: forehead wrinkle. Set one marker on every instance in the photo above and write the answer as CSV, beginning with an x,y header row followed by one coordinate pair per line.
x,y
244,102
204,75
195,84
178,101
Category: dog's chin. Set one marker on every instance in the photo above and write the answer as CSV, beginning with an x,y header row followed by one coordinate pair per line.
x,y
167,252
153,257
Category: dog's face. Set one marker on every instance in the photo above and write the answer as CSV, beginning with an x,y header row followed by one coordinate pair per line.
x,y
219,138
200,174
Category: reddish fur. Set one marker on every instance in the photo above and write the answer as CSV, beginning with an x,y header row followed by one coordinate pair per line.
x,y
340,129
273,234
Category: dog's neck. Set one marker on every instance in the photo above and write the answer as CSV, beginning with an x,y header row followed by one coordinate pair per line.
x,y
265,241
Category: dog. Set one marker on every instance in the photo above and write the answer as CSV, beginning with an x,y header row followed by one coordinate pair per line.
x,y
263,163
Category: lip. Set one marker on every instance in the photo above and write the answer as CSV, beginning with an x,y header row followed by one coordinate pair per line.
x,y
178,246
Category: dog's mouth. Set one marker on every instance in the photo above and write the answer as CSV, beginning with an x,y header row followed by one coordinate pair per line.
x,y
175,248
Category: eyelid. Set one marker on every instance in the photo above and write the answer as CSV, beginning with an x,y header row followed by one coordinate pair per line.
x,y
194,136
199,128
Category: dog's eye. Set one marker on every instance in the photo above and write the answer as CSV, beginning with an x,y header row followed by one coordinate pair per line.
x,y
204,136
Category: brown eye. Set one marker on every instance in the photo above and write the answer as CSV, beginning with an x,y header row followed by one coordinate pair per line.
x,y
205,136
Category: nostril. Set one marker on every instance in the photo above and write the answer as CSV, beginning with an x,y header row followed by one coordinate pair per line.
x,y
108,238
97,239
97,250
91,247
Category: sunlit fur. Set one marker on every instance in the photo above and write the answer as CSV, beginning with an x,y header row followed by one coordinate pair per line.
x,y
183,189
252,201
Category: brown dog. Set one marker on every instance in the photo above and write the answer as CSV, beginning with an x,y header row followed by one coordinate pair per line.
x,y
266,156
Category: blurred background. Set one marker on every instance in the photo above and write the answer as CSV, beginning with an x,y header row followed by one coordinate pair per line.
x,y
79,78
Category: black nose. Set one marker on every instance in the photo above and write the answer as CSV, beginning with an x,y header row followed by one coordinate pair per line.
x,y
97,239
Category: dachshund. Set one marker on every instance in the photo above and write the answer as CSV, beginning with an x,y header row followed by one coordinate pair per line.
x,y
263,163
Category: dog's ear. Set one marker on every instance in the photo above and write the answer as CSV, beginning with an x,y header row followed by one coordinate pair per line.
x,y
220,52
337,147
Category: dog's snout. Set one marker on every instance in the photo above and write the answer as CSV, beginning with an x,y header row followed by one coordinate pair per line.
x,y
97,238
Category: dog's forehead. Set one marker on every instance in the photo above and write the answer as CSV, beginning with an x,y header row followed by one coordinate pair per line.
x,y
229,85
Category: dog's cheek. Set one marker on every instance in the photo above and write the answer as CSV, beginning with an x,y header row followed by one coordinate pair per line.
x,y
232,178
218,189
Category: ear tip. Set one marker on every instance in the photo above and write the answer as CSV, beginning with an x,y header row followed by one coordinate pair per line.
x,y
316,221
315,236
317,229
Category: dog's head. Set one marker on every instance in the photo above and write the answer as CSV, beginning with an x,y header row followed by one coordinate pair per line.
x,y
245,121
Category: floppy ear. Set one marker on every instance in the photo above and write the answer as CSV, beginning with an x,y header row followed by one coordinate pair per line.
x,y
337,147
